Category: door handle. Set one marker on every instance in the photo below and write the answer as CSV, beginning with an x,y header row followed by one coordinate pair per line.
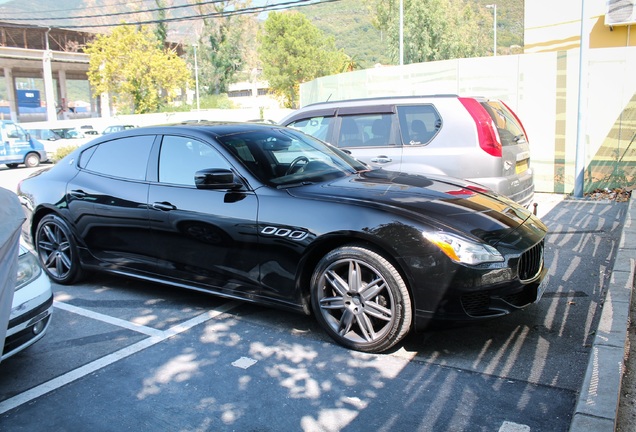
x,y
77,193
381,159
163,206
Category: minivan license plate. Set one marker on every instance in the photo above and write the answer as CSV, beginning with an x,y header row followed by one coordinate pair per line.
x,y
521,166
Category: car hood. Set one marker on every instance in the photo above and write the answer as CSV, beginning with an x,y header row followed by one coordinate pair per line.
x,y
441,202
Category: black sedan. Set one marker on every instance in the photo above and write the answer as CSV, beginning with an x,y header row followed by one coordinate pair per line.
x,y
267,214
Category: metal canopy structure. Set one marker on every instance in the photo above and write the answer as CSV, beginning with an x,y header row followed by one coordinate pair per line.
x,y
40,52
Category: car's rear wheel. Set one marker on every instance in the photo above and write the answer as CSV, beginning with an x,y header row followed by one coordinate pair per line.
x,y
360,299
57,250
32,160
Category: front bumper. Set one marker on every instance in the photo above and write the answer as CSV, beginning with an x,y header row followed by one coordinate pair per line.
x,y
470,294
30,316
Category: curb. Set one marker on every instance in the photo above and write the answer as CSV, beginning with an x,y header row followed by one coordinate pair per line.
x,y
597,402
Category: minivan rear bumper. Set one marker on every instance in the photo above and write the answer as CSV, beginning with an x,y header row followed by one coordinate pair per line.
x,y
518,188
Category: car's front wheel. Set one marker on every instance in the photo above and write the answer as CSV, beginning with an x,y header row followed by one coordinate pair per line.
x,y
32,160
361,299
57,250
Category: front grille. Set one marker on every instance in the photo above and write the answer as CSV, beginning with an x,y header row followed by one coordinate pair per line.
x,y
531,263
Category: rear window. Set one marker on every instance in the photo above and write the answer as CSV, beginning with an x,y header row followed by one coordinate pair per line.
x,y
418,123
125,157
510,131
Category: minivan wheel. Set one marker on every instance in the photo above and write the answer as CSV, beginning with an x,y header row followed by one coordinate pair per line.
x,y
32,160
57,250
360,299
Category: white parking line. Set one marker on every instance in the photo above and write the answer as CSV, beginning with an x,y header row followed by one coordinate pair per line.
x,y
513,427
108,319
100,363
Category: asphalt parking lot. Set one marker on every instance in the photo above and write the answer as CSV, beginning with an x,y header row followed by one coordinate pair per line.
x,y
130,355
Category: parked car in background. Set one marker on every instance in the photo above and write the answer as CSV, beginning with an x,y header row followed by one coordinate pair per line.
x,y
88,130
117,128
472,138
31,308
56,138
18,147
69,133
44,134
271,215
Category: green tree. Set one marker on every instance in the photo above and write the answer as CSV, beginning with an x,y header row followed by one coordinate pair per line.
x,y
224,43
161,30
129,65
293,51
436,29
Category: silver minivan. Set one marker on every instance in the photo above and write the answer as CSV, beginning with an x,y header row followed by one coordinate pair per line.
x,y
472,138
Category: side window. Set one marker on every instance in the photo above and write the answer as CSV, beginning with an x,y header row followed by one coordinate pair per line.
x,y
14,132
181,157
366,130
125,158
418,123
318,127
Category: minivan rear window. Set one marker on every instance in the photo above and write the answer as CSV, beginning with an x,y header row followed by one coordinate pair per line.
x,y
418,123
510,131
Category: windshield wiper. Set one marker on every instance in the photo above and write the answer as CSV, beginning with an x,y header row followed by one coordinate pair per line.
x,y
292,185
519,137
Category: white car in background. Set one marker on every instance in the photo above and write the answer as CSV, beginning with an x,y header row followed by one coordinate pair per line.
x,y
31,308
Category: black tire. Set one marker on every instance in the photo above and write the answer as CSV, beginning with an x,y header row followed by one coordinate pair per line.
x,y
360,299
57,250
32,160
12,165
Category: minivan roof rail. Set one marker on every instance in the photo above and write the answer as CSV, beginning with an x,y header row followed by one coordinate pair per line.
x,y
384,98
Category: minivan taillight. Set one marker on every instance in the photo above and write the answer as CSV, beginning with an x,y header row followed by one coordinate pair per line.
x,y
486,130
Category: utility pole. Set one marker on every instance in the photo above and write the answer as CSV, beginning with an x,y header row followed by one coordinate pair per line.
x,y
494,28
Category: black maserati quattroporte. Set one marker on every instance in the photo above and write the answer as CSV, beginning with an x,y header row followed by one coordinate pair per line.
x,y
270,215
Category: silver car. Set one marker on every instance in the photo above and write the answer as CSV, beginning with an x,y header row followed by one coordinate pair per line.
x,y
31,307
472,138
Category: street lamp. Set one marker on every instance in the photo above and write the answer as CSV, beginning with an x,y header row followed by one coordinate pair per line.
x,y
494,27
196,74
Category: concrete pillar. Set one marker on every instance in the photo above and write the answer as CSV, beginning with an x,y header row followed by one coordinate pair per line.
x,y
95,109
105,105
47,74
11,95
61,82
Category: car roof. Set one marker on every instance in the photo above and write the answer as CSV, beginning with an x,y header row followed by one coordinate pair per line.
x,y
216,128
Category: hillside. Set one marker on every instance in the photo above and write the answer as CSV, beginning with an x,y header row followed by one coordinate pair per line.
x,y
348,21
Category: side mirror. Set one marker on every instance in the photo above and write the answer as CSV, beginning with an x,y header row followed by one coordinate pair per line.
x,y
216,178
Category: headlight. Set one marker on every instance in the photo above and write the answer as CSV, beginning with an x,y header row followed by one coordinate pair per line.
x,y
462,250
28,270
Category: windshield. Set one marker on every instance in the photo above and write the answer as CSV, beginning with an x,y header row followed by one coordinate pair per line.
x,y
284,157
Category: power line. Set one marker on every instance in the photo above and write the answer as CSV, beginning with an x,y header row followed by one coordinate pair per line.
x,y
114,14
125,4
243,11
